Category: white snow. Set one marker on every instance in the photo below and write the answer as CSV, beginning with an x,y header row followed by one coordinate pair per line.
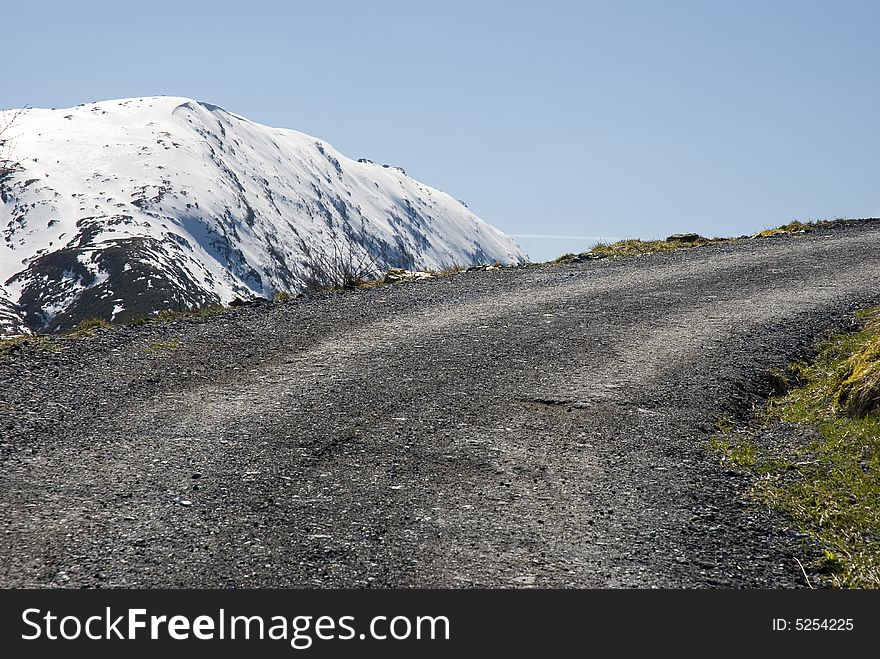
x,y
11,322
178,170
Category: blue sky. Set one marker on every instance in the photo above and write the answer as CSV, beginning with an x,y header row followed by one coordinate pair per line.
x,y
553,118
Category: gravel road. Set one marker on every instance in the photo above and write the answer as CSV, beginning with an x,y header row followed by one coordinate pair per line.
x,y
541,426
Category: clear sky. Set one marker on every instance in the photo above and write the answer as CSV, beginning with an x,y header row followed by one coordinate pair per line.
x,y
584,119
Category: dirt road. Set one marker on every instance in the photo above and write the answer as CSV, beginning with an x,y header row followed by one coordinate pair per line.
x,y
541,426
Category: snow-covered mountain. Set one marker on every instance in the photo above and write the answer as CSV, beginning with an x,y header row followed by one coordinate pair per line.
x,y
120,208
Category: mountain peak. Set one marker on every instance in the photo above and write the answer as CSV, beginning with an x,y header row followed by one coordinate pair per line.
x,y
120,208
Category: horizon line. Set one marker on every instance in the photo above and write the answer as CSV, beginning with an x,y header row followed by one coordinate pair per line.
x,y
553,236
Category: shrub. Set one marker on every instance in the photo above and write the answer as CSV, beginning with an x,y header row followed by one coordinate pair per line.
x,y
7,164
340,268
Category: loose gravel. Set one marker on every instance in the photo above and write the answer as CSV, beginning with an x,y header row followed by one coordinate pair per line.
x,y
541,426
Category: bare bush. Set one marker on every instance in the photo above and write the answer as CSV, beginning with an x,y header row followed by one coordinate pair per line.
x,y
340,267
7,164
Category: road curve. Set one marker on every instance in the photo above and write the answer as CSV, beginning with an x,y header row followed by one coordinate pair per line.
x,y
529,427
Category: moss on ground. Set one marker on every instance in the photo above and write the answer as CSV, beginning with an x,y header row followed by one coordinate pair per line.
x,y
828,486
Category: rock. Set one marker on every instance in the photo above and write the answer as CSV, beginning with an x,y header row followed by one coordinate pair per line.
x,y
684,237
252,302
586,256
397,275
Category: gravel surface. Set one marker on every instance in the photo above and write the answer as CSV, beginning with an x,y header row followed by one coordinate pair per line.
x,y
539,426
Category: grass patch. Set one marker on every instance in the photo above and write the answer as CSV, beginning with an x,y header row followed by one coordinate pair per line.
x,y
88,327
367,284
637,247
829,486
194,314
741,455
163,346
739,451
141,320
13,345
857,384
449,270
789,229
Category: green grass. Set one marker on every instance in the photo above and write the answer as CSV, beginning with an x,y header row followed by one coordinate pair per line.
x,y
163,346
741,454
788,229
88,327
8,346
14,344
636,247
194,314
829,487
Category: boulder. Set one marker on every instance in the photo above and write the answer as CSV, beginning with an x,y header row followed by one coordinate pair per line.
x,y
397,275
684,237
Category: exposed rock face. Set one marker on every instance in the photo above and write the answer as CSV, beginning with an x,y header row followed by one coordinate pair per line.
x,y
11,319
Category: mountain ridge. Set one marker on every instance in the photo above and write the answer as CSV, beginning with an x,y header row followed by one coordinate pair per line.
x,y
121,208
